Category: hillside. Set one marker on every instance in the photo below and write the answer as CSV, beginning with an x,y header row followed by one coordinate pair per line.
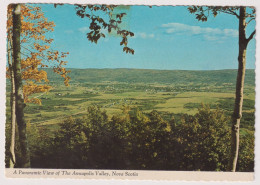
x,y
153,76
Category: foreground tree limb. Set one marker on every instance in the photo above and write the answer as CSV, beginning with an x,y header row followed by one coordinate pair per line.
x,y
25,160
12,103
237,114
202,14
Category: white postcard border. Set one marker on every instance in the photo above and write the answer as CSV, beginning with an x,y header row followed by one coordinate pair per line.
x,y
149,175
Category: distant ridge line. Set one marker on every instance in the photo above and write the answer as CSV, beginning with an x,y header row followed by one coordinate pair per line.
x,y
129,75
151,69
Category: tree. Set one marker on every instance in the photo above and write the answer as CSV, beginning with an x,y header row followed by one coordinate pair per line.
x,y
201,140
246,156
29,37
104,18
110,21
26,32
19,103
37,53
12,104
245,16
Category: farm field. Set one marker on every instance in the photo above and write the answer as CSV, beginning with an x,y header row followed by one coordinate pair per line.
x,y
179,97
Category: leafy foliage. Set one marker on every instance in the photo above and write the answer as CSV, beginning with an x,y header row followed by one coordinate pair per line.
x,y
111,22
203,12
135,140
246,155
245,16
36,52
205,136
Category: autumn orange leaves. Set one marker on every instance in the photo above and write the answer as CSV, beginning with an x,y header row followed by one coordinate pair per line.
x,y
36,51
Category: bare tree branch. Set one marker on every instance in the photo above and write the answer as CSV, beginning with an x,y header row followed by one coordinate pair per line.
x,y
233,13
250,15
251,36
250,20
229,12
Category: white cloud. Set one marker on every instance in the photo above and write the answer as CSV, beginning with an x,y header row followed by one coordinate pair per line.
x,y
69,31
211,37
144,35
83,29
208,33
231,32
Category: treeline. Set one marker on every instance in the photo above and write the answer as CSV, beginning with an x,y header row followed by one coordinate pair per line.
x,y
138,141
154,76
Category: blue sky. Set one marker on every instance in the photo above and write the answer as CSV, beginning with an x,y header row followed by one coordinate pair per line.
x,y
166,37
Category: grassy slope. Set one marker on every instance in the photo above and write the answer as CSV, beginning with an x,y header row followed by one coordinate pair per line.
x,y
154,76
195,87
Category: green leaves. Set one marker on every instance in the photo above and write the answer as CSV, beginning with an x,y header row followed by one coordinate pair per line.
x,y
137,140
108,21
128,50
192,9
204,138
203,12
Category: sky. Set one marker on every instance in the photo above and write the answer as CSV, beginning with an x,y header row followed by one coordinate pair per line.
x,y
166,37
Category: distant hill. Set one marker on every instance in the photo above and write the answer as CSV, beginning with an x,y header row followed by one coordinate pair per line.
x,y
153,76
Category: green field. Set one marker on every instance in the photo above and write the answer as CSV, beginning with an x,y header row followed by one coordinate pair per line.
x,y
150,122
172,92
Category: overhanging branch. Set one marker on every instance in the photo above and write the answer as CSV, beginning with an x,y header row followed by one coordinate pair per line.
x,y
250,20
251,36
233,13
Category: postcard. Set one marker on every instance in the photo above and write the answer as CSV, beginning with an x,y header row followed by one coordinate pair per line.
x,y
130,91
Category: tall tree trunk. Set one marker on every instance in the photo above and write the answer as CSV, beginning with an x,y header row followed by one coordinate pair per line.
x,y
25,159
12,103
237,114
